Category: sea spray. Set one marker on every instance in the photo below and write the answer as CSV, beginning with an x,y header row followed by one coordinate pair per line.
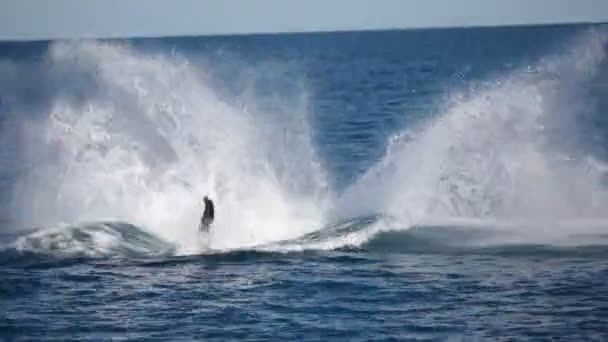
x,y
119,135
510,148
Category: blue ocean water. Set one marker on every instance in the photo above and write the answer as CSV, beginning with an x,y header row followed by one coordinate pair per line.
x,y
402,185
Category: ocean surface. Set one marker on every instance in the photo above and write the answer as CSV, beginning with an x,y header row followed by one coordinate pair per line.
x,y
431,185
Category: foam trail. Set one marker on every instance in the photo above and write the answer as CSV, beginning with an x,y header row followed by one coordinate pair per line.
x,y
511,148
120,135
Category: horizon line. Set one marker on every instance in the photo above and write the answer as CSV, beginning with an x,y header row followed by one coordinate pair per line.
x,y
311,31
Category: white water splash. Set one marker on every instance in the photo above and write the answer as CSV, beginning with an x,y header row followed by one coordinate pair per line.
x,y
509,149
141,138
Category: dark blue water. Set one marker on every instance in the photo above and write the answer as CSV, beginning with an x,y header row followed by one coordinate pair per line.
x,y
407,185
